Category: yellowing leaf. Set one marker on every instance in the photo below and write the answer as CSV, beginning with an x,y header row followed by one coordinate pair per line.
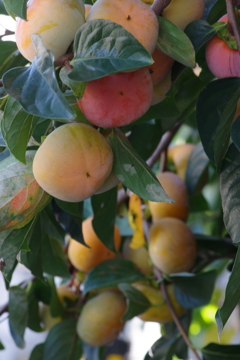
x,y
135,219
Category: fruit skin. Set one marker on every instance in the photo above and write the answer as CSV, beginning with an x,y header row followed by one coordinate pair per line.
x,y
139,256
161,66
57,21
160,90
117,100
100,320
222,61
73,162
87,9
179,155
133,15
182,12
160,313
177,190
84,258
172,246
110,183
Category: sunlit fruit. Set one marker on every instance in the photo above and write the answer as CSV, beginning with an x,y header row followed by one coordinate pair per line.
x,y
100,320
160,90
161,66
73,162
172,246
85,258
175,187
57,21
179,155
160,312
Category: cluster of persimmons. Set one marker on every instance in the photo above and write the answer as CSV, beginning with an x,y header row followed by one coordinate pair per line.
x,y
75,161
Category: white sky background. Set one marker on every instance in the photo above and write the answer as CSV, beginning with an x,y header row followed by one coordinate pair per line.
x,y
6,22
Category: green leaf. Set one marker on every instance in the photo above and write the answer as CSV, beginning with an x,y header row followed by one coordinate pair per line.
x,y
220,352
194,290
1,346
111,273
215,107
54,261
10,57
133,172
33,259
214,244
137,302
56,307
175,43
2,8
33,310
51,226
37,352
107,48
200,32
75,209
17,127
17,7
21,198
229,188
235,133
62,342
217,11
77,87
18,314
196,168
104,207
222,136
160,348
10,245
36,87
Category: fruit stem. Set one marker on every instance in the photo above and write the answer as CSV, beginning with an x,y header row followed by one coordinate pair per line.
x,y
159,5
233,22
63,60
159,276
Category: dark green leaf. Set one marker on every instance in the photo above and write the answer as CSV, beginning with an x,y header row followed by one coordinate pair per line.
x,y
175,43
1,346
10,57
51,226
198,203
10,244
54,260
229,188
214,244
56,307
160,348
42,290
36,87
2,8
37,353
21,198
200,32
217,11
150,133
104,207
33,259
17,128
235,133
107,48
194,290
196,168
73,226
33,311
222,136
221,352
18,314
133,172
232,295
77,87
75,209
17,7
137,302
41,129
62,342
212,102
111,273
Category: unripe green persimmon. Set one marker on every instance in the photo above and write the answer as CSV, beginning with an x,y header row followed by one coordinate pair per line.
x,y
159,313
73,162
172,246
100,320
57,21
177,190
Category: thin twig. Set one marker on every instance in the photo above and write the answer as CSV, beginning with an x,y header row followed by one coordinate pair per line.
x,y
61,61
233,22
159,5
159,277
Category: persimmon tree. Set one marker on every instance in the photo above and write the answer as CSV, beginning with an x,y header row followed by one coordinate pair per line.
x,y
37,227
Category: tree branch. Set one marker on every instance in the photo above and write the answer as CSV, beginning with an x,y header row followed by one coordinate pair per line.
x,y
159,278
233,22
159,5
